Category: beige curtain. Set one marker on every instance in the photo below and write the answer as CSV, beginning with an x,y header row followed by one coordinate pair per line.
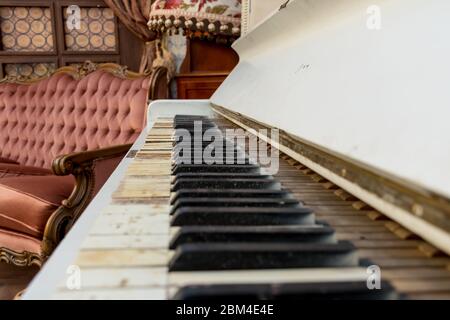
x,y
134,14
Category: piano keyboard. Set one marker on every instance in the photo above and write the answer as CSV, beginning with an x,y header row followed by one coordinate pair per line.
x,y
179,230
240,234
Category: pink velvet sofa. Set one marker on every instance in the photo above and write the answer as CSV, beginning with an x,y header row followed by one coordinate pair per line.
x,y
60,139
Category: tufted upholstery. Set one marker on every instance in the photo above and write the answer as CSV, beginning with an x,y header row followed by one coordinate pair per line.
x,y
60,115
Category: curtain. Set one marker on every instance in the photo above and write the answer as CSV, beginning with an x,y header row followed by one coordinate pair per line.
x,y
134,14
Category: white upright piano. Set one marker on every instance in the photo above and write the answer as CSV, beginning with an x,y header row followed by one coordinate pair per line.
x,y
359,91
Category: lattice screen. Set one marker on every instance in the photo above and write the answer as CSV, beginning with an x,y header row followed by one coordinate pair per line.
x,y
34,40
26,29
96,33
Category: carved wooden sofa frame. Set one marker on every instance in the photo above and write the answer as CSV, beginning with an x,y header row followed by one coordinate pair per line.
x,y
79,164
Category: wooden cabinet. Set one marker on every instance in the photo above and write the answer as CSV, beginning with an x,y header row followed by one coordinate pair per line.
x,y
205,67
199,85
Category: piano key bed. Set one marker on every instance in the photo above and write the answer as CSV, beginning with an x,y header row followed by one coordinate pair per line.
x,y
177,230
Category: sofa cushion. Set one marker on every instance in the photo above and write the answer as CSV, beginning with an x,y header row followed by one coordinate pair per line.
x,y
19,242
26,202
15,170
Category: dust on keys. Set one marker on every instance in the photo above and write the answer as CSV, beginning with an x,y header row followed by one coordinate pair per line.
x,y
181,228
126,252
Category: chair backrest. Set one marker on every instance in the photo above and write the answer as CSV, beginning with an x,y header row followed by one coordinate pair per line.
x,y
75,109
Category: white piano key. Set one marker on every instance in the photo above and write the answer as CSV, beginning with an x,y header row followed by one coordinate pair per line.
x,y
131,210
112,241
155,224
123,258
152,293
115,278
316,275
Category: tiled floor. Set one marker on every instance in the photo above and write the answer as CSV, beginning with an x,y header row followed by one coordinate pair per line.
x,y
14,279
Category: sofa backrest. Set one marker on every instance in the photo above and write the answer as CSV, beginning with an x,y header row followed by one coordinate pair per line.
x,y
75,109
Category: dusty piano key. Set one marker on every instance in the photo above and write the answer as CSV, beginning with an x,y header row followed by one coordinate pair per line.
x,y
194,138
218,141
179,279
234,256
206,160
209,152
231,183
229,193
181,117
194,142
211,158
210,147
258,234
288,291
218,176
197,216
190,122
199,130
200,168
235,202
191,125
191,145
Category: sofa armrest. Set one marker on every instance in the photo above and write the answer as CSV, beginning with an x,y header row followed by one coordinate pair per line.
x,y
74,162
90,169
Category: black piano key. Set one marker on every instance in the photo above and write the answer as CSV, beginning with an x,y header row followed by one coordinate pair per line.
x,y
200,131
219,176
191,125
185,183
188,119
200,158
190,122
205,144
239,158
236,202
229,193
218,141
225,168
211,161
181,117
356,290
209,154
197,216
243,256
214,150
258,234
